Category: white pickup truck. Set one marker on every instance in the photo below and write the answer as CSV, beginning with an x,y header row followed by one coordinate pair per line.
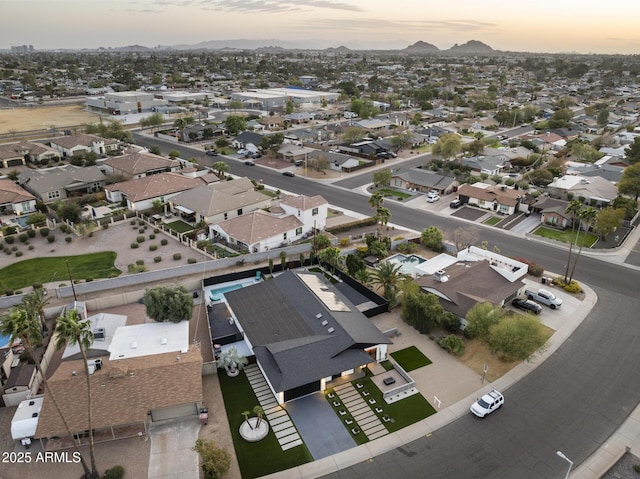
x,y
545,297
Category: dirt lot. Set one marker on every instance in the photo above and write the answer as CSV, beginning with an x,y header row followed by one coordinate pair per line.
x,y
40,118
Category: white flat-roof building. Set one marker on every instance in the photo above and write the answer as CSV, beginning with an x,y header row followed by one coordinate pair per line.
x,y
278,97
150,338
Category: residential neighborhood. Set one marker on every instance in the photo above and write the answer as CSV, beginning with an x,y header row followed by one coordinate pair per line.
x,y
271,255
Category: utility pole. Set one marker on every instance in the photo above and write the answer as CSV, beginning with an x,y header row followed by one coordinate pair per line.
x,y
75,298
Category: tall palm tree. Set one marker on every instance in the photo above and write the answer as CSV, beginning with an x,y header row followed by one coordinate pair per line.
x,y
34,303
376,200
573,209
181,124
70,329
19,324
587,217
388,277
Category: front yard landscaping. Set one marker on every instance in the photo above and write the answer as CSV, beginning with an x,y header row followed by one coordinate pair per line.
x,y
255,459
567,236
410,358
399,195
179,226
493,220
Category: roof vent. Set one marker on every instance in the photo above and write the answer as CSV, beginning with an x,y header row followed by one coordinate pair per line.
x,y
35,414
319,315
32,403
163,341
325,322
134,344
184,350
331,330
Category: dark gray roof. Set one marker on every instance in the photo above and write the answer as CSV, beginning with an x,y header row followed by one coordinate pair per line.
x,y
431,179
280,319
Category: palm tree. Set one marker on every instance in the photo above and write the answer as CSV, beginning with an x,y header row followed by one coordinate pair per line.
x,y
71,330
19,324
260,413
573,209
232,361
388,277
376,201
34,304
587,217
181,124
246,417
220,167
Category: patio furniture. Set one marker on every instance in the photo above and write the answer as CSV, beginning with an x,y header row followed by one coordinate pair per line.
x,y
388,381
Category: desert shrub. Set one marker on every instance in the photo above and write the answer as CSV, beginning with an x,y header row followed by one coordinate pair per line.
x,y
164,242
534,268
64,227
9,230
36,285
51,238
139,262
451,343
31,233
88,279
140,223
9,239
141,230
19,253
105,226
177,256
23,237
14,248
157,259
136,268
8,292
116,472
152,237
140,239
132,222
153,247
134,245
31,247
192,260
68,239
344,241
44,232
573,287
156,231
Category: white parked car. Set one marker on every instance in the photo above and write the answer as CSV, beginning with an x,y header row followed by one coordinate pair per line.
x,y
432,197
487,403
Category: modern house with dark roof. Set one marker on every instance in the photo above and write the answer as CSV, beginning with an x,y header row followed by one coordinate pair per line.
x,y
302,331
423,180
61,182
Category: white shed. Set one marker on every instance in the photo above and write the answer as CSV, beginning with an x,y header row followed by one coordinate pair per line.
x,y
25,419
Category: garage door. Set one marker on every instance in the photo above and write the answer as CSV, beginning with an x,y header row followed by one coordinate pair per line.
x,y
172,412
300,391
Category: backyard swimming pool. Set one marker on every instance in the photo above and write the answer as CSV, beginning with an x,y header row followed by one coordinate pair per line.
x,y
21,220
407,263
4,340
216,293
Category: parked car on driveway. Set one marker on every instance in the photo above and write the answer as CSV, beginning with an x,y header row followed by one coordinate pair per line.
x,y
432,197
487,404
545,297
455,204
527,305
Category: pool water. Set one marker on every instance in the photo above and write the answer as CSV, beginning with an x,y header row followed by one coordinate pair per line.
x,y
21,220
218,293
4,340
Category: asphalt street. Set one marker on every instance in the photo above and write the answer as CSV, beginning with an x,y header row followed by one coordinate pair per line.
x,y
573,402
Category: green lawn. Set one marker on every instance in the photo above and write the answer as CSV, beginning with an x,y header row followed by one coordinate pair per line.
x,y
493,220
410,358
179,226
566,236
262,457
399,194
45,270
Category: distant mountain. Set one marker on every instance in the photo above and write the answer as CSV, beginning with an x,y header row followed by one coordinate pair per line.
x,y
243,44
340,49
421,47
472,46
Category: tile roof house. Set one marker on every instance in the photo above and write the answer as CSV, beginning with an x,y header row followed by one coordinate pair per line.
x,y
593,188
304,332
61,182
140,164
499,198
140,193
294,219
126,394
219,201
74,145
423,180
14,154
15,199
552,211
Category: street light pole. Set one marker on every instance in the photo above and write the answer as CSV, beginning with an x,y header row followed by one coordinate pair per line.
x,y
559,453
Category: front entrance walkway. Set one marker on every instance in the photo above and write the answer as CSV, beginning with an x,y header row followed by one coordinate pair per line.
x,y
320,428
360,408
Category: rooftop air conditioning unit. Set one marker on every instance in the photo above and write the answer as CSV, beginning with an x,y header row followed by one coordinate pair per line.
x,y
99,334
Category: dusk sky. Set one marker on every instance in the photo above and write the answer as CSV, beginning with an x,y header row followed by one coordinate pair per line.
x,y
586,26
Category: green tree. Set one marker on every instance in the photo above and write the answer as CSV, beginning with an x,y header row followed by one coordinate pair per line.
x,y
402,140
388,277
421,310
431,238
34,303
517,337
180,124
283,260
235,124
480,318
222,142
70,329
475,147
354,263
173,154
70,211
607,220
37,219
235,105
353,134
155,149
382,177
603,118
214,461
331,256
168,303
448,146
18,323
289,108
573,209
376,200
221,168
629,184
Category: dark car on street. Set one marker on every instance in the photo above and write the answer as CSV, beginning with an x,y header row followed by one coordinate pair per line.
x,y
289,173
527,305
211,153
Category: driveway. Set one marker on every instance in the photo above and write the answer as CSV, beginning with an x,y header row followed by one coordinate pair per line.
x,y
319,427
171,454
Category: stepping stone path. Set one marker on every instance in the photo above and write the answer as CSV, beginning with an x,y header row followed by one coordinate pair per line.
x,y
278,418
361,411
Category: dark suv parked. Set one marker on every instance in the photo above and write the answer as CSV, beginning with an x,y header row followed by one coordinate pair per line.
x,y
527,305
